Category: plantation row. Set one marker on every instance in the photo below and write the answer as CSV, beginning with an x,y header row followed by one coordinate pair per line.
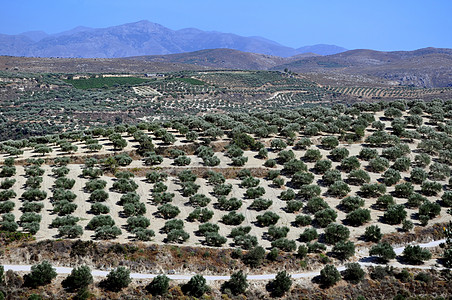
x,y
396,92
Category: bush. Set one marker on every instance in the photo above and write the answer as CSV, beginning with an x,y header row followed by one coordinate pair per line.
x,y
407,225
312,155
395,214
182,160
267,219
351,203
98,196
309,191
330,142
253,193
358,177
294,206
131,197
214,239
418,175
154,177
98,221
199,200
41,274
350,163
416,255
229,204
34,195
245,241
222,189
202,215
95,184
70,231
64,207
321,166
237,284
404,190
270,163
303,220
196,287
159,285
429,209
137,222
293,166
287,195
339,189
168,211
172,224
331,176
368,154
260,204
384,251
391,177
107,232
339,154
281,284
62,194
372,190
206,228
335,233
343,250
378,164
123,185
254,257
64,183
6,207
373,233
79,278
431,188
233,218
353,273
6,195
64,221
325,217
329,275
117,279
177,235
358,217
309,234
189,189
316,204
302,178
316,247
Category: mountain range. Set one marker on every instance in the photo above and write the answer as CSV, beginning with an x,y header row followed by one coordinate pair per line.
x,y
142,38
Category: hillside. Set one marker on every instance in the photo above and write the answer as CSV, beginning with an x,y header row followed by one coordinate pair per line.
x,y
306,190
428,67
140,38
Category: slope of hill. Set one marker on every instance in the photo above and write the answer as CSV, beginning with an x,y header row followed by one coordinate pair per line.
x,y
139,38
428,67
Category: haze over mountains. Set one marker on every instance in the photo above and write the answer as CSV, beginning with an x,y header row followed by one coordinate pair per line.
x,y
142,38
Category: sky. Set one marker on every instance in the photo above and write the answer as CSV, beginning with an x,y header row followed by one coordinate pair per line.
x,y
380,25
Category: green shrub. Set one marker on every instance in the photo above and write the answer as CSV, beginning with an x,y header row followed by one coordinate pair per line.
x,y
236,285
99,221
358,217
267,219
79,278
353,273
107,232
325,217
383,250
159,285
373,233
196,287
41,274
343,250
281,284
395,214
233,218
335,233
117,279
254,257
308,235
329,275
416,255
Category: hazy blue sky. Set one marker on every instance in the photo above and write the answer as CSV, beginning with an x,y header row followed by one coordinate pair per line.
x,y
380,25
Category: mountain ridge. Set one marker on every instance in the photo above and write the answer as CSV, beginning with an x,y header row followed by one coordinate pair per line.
x,y
141,38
